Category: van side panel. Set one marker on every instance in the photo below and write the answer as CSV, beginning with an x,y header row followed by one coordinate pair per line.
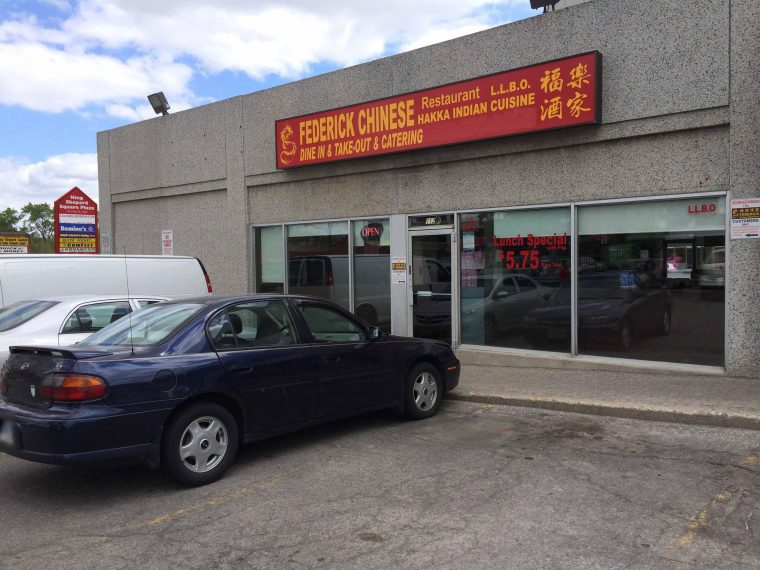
x,y
46,277
30,276
168,276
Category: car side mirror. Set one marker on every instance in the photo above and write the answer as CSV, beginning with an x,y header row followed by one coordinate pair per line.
x,y
546,297
375,332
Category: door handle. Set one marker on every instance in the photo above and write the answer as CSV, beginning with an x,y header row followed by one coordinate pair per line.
x,y
328,359
240,368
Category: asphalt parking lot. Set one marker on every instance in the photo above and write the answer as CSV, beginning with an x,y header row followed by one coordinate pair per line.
x,y
478,486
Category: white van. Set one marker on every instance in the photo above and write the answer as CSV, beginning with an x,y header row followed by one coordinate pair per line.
x,y
25,277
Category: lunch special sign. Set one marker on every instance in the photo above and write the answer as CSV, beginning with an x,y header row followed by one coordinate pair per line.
x,y
551,95
75,216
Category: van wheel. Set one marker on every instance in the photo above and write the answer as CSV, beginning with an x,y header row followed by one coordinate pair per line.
x,y
423,391
199,444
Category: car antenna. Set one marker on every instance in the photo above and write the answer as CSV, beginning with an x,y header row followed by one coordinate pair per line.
x,y
129,300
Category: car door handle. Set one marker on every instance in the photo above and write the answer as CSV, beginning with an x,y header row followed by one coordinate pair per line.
x,y
328,359
240,369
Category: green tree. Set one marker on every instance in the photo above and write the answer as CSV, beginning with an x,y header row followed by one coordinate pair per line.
x,y
37,220
9,219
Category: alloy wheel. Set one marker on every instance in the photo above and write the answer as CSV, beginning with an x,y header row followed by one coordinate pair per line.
x,y
203,444
425,391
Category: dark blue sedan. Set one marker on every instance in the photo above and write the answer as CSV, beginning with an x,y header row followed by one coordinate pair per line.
x,y
181,384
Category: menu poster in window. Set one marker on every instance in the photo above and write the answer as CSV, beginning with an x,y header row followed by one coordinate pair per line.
x,y
745,218
398,269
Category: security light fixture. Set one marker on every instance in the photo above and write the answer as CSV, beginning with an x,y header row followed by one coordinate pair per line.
x,y
159,103
536,4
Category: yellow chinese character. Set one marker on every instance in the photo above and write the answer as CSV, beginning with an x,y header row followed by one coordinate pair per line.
x,y
576,104
579,76
553,110
552,80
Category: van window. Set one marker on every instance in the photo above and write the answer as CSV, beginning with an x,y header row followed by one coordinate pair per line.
x,y
318,260
717,256
436,271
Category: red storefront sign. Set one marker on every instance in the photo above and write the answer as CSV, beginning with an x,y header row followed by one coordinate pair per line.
x,y
551,95
75,217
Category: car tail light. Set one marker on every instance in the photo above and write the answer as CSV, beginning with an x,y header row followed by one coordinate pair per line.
x,y
73,388
330,280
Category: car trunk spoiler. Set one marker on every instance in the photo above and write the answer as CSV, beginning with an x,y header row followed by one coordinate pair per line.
x,y
59,352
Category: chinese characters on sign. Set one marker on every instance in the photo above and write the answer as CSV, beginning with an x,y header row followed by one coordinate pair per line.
x,y
76,223
561,93
745,218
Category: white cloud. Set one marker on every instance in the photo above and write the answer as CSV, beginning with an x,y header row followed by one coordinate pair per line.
x,y
83,63
22,181
43,78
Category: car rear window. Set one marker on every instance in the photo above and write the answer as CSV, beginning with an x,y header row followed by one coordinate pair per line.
x,y
21,312
146,327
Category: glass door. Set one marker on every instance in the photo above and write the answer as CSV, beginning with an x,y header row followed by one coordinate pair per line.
x,y
431,291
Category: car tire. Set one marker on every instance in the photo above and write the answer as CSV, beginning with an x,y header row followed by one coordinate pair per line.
x,y
424,391
625,335
199,444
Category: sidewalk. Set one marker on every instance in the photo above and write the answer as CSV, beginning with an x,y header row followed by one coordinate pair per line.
x,y
605,389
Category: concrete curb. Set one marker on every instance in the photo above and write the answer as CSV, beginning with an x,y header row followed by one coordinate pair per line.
x,y
671,416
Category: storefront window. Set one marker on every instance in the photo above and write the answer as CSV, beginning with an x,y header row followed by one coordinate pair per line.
x,y
269,254
651,280
318,261
515,278
372,270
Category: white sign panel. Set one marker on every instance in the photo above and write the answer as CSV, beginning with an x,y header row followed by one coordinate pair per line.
x,y
76,219
398,270
745,218
13,249
167,242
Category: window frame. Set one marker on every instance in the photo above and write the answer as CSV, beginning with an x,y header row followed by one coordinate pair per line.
x,y
73,312
295,327
311,339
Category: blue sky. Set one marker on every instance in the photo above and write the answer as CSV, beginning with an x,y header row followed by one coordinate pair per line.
x,y
71,68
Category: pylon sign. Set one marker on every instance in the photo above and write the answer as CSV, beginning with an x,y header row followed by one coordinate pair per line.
x,y
75,216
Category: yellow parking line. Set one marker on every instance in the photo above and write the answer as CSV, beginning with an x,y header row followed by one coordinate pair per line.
x,y
179,513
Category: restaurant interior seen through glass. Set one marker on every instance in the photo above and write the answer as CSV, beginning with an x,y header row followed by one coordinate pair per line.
x,y
649,276
650,280
319,264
